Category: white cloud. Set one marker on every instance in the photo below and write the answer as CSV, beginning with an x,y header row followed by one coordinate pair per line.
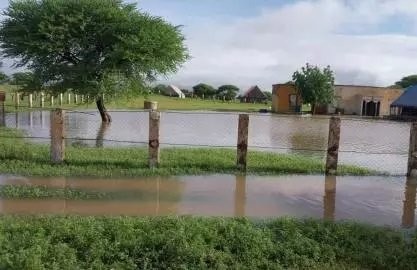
x,y
268,48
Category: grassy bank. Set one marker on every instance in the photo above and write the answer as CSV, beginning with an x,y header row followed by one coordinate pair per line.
x,y
20,157
198,243
135,103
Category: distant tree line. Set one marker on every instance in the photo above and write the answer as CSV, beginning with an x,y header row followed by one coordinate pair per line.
x,y
205,91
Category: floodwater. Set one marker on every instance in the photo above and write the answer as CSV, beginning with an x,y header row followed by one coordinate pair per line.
x,y
375,144
387,201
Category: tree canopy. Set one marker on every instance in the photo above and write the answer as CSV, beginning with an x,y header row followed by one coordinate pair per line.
x,y
26,81
3,77
204,90
315,86
407,81
90,46
228,91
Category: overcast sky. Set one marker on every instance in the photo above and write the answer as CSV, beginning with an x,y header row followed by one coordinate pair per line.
x,y
248,42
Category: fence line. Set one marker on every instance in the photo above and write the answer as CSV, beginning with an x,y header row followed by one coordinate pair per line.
x,y
332,150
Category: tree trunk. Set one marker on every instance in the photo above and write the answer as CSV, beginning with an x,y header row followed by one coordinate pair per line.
x,y
105,117
313,108
100,134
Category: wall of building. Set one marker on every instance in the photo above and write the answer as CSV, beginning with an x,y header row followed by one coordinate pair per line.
x,y
350,97
281,98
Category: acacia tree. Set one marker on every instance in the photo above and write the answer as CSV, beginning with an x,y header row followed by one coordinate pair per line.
x,y
229,92
204,90
90,46
315,86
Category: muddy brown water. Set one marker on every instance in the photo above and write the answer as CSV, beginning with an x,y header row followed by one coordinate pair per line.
x,y
375,200
360,140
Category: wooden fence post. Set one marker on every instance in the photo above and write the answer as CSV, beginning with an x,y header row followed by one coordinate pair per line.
x,y
242,141
154,120
30,100
2,115
57,136
409,203
333,146
17,100
42,100
412,154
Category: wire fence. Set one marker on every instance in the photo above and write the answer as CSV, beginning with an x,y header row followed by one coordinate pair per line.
x,y
378,145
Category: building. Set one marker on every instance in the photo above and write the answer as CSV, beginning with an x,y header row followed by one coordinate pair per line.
x,y
349,99
285,98
174,91
406,104
254,95
365,100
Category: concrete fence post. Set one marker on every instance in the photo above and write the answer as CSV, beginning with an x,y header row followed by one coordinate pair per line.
x,y
412,154
52,100
154,121
42,100
75,99
242,141
30,100
69,99
333,146
61,99
57,136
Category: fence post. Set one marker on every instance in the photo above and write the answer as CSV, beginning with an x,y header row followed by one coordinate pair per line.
x,y
333,146
30,100
154,120
329,199
242,141
57,136
2,115
69,99
52,100
412,154
42,100
17,100
61,98
75,99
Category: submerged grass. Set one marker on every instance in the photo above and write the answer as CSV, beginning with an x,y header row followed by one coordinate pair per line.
x,y
53,242
23,158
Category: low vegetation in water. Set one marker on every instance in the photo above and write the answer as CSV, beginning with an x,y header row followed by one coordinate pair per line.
x,y
21,157
53,242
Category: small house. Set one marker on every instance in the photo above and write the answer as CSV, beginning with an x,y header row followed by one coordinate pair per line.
x,y
406,105
174,91
285,98
254,95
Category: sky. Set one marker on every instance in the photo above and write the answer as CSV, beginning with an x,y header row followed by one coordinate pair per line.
x,y
262,42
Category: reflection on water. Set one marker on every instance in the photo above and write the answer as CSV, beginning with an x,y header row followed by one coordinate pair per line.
x,y
375,200
289,134
100,134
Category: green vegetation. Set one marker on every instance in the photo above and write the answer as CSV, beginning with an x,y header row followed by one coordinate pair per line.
x,y
136,102
198,243
47,192
20,157
407,81
315,86
90,46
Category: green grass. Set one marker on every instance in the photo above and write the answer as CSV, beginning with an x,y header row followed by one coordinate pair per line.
x,y
67,193
135,103
20,157
53,242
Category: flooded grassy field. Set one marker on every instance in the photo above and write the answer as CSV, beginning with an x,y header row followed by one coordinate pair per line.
x,y
375,200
